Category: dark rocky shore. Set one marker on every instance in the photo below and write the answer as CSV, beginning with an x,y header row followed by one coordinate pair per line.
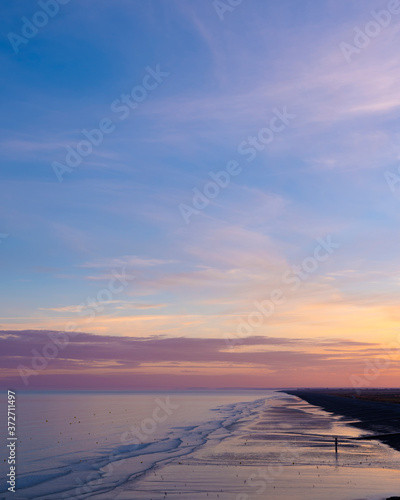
x,y
369,407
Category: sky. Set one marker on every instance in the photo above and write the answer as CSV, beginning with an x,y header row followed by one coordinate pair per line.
x,y
199,194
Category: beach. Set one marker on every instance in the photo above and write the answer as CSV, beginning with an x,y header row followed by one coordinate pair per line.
x,y
226,445
376,410
286,452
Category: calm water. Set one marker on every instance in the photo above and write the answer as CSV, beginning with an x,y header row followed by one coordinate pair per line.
x,y
195,445
64,439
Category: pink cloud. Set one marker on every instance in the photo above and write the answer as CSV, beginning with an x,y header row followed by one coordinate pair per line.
x,y
128,362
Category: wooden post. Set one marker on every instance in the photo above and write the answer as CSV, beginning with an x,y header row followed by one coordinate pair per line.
x,y
336,446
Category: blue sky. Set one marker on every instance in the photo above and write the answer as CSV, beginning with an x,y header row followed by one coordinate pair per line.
x,y
321,174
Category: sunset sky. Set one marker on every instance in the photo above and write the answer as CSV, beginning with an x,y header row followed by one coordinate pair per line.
x,y
285,274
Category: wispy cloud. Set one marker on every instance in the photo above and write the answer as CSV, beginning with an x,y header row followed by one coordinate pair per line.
x,y
322,176
127,260
117,304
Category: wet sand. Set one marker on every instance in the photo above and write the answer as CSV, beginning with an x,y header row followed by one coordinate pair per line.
x,y
286,451
205,482
369,410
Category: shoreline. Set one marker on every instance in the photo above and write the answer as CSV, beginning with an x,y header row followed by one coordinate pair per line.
x,y
380,418
276,445
285,452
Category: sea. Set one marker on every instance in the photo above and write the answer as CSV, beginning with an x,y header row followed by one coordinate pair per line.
x,y
237,445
